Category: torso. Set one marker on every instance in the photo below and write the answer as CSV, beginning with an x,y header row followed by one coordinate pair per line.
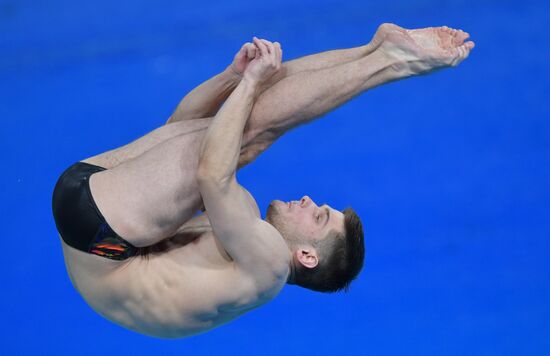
x,y
189,288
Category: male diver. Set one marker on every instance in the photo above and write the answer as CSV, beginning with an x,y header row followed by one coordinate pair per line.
x,y
134,246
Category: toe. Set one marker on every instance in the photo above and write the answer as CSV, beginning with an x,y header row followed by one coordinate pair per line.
x,y
469,45
464,55
461,53
459,37
463,35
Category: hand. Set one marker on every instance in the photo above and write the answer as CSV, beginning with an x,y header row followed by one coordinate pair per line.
x,y
245,55
266,63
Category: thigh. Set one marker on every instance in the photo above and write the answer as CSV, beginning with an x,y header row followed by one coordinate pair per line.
x,y
113,158
148,197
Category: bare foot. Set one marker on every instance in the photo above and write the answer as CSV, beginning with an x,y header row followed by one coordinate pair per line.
x,y
423,50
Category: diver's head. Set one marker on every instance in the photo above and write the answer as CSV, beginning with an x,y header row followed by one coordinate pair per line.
x,y
327,245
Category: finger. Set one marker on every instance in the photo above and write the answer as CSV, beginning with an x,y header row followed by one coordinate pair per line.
x,y
251,51
261,46
269,45
243,52
279,51
272,52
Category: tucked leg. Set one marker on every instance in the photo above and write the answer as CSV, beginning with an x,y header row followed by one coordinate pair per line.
x,y
396,53
206,99
195,109
117,156
147,198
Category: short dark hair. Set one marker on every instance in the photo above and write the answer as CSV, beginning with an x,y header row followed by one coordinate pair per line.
x,y
340,261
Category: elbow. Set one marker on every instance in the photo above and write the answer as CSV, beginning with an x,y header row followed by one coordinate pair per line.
x,y
208,176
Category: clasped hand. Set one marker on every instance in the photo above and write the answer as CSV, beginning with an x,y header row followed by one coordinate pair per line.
x,y
258,61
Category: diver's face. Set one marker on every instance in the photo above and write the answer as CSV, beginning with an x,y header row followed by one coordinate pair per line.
x,y
303,219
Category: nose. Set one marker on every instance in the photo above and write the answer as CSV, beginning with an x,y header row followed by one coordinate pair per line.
x,y
305,201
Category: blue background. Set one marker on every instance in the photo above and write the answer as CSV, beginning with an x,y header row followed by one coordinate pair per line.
x,y
449,172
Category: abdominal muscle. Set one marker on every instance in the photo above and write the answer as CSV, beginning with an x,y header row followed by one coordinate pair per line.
x,y
189,288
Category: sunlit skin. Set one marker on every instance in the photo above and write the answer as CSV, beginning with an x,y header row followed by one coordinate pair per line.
x,y
149,192
423,50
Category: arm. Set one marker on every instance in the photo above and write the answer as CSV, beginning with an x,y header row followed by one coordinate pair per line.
x,y
233,213
220,147
205,100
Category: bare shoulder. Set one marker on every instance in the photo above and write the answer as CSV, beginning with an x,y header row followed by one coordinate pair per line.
x,y
257,249
268,258
268,263
252,202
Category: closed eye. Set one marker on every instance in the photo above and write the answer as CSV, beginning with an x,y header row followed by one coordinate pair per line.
x,y
318,217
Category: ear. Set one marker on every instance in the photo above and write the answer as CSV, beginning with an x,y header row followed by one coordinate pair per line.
x,y
307,257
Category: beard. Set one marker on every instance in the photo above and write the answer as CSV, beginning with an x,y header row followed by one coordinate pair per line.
x,y
276,218
271,213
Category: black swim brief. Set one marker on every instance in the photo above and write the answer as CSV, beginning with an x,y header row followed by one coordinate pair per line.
x,y
78,219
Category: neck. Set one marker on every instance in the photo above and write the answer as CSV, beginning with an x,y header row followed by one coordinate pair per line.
x,y
292,267
292,274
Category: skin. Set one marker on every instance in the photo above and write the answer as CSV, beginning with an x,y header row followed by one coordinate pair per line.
x,y
211,271
300,223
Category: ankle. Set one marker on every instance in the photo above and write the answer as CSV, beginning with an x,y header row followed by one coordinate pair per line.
x,y
395,66
383,68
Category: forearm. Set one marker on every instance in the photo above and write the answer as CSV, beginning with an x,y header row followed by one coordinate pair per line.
x,y
221,145
205,100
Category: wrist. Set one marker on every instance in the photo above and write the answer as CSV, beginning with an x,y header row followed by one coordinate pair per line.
x,y
233,73
250,83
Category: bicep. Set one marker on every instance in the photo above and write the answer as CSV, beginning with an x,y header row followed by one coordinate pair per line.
x,y
252,243
233,214
228,204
